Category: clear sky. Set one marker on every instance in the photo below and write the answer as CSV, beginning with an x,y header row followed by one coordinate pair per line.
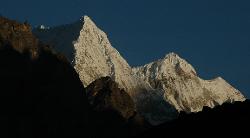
x,y
212,35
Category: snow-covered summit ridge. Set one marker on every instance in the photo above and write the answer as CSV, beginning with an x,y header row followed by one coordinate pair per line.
x,y
183,88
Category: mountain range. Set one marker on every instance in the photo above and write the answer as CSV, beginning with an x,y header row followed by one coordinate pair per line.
x,y
72,83
160,90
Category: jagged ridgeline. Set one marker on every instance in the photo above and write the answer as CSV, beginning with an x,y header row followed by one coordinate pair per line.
x,y
159,90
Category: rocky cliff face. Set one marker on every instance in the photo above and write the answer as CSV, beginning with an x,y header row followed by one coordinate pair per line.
x,y
183,88
95,57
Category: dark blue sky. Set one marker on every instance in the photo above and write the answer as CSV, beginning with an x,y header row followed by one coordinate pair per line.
x,y
213,35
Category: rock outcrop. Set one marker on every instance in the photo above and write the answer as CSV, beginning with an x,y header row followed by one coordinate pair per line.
x,y
104,94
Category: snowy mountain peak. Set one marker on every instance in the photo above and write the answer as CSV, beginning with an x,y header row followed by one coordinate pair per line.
x,y
178,63
88,23
87,18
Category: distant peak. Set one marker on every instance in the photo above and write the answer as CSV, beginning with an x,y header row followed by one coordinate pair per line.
x,y
42,27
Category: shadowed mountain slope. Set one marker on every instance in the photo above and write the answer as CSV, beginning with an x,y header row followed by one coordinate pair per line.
x,y
41,95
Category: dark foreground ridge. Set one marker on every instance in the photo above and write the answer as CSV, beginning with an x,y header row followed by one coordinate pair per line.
x,y
226,120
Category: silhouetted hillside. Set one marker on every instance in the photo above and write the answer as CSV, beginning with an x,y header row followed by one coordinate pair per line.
x,y
228,120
